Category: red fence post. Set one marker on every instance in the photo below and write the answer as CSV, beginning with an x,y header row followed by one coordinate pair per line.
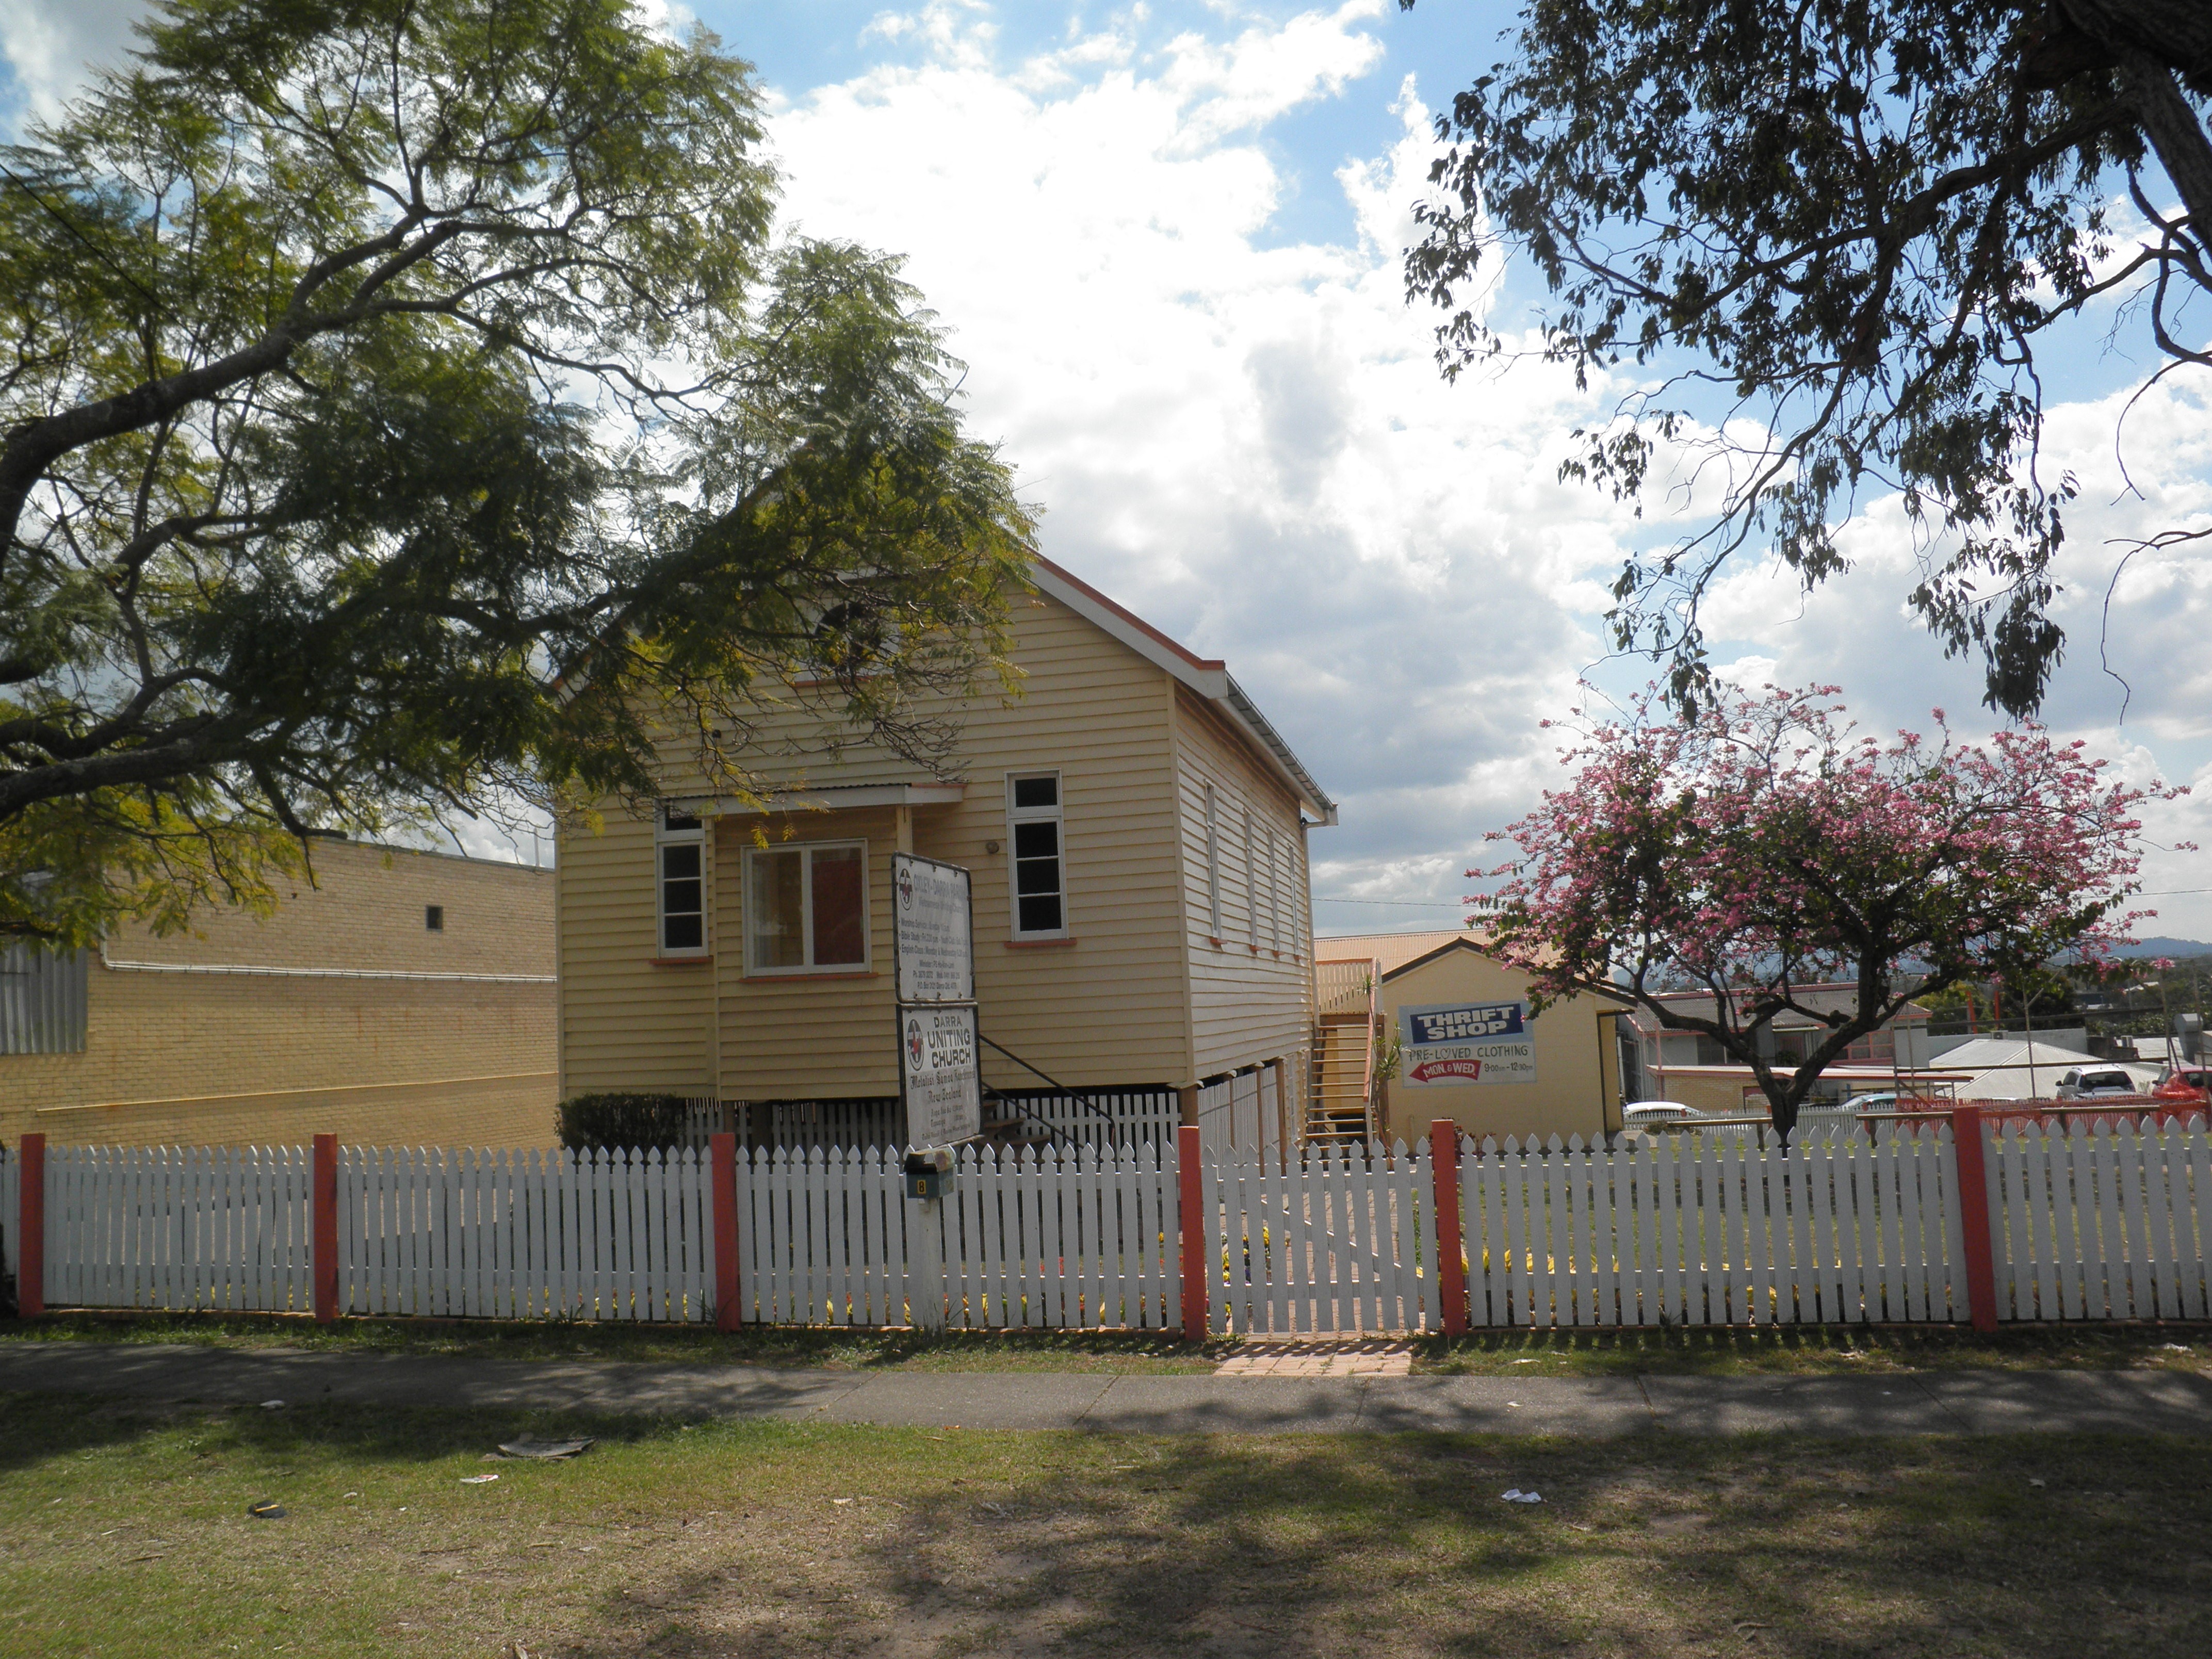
x,y
728,1314
1974,1216
1192,1220
323,1202
31,1223
1452,1267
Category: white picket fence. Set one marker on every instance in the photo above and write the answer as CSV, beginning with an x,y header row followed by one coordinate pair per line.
x,y
1691,1230
177,1227
1061,1239
2092,1220
1328,1239
525,1235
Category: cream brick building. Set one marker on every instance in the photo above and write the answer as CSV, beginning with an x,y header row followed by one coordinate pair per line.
x,y
403,997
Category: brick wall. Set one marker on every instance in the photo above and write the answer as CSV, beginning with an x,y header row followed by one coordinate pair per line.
x,y
262,1057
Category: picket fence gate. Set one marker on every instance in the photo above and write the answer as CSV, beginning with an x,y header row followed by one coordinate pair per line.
x,y
1328,1238
2093,1219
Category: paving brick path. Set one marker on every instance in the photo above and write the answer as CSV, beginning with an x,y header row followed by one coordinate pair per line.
x,y
1371,1356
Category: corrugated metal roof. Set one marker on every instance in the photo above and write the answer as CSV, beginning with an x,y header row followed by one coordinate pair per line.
x,y
1391,949
42,1000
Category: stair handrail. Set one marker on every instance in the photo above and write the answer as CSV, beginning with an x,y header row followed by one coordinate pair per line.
x,y
1367,1081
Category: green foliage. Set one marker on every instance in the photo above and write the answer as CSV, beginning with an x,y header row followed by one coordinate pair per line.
x,y
1845,227
615,1121
409,414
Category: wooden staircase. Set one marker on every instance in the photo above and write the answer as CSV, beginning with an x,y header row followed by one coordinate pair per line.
x,y
1342,1107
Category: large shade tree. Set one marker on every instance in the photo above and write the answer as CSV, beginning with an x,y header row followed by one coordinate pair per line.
x,y
1766,847
1829,246
405,403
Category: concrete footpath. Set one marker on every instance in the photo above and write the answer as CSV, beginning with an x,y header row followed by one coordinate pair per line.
x,y
1922,1402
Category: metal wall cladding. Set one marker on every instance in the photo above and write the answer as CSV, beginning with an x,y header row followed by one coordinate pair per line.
x,y
43,996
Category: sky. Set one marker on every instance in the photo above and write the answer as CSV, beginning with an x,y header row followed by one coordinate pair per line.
x,y
1166,240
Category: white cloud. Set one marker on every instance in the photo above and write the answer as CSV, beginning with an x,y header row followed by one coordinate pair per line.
x,y
1248,444
49,44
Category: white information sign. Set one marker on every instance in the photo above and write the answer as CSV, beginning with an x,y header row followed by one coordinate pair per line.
x,y
1461,1042
933,926
941,1079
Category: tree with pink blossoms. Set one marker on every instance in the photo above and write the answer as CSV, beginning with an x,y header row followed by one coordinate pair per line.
x,y
1766,846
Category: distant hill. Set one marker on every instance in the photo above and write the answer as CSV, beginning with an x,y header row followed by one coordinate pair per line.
x,y
2165,947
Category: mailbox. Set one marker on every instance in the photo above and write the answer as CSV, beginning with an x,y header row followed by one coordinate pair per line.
x,y
928,1172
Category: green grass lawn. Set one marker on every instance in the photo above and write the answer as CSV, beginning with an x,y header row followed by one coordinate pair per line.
x,y
1692,1350
124,1532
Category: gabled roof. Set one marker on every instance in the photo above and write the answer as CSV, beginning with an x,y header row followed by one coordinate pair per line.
x,y
1208,677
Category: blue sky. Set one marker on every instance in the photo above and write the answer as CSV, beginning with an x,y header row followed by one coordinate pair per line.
x,y
1166,240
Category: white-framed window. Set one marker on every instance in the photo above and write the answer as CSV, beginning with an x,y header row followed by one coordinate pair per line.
x,y
807,907
1037,839
680,885
1212,864
1251,889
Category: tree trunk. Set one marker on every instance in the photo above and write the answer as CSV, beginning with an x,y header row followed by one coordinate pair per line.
x,y
2149,41
2174,132
2177,34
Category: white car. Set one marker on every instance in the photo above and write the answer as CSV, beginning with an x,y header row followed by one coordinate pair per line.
x,y
1658,1115
2084,1083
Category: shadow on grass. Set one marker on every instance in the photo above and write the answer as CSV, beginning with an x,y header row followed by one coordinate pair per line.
x,y
951,1543
1403,1544
760,1345
44,1427
1727,1349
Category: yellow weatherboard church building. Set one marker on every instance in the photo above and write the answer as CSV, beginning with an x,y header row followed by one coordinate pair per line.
x,y
1136,832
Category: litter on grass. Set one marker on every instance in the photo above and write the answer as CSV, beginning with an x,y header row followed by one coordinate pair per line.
x,y
1517,1495
476,1480
272,1405
543,1450
265,1510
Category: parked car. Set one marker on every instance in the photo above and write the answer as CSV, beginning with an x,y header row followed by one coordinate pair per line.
x,y
2088,1082
2185,1083
1658,1115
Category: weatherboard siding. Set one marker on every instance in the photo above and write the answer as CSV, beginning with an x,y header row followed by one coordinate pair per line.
x,y
1246,1005
627,1021
826,1035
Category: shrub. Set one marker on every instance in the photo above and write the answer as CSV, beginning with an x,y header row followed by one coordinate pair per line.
x,y
623,1119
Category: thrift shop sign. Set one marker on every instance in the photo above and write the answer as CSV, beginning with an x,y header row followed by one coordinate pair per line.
x,y
1451,1042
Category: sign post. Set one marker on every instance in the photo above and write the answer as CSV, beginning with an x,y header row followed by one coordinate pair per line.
x,y
940,1059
